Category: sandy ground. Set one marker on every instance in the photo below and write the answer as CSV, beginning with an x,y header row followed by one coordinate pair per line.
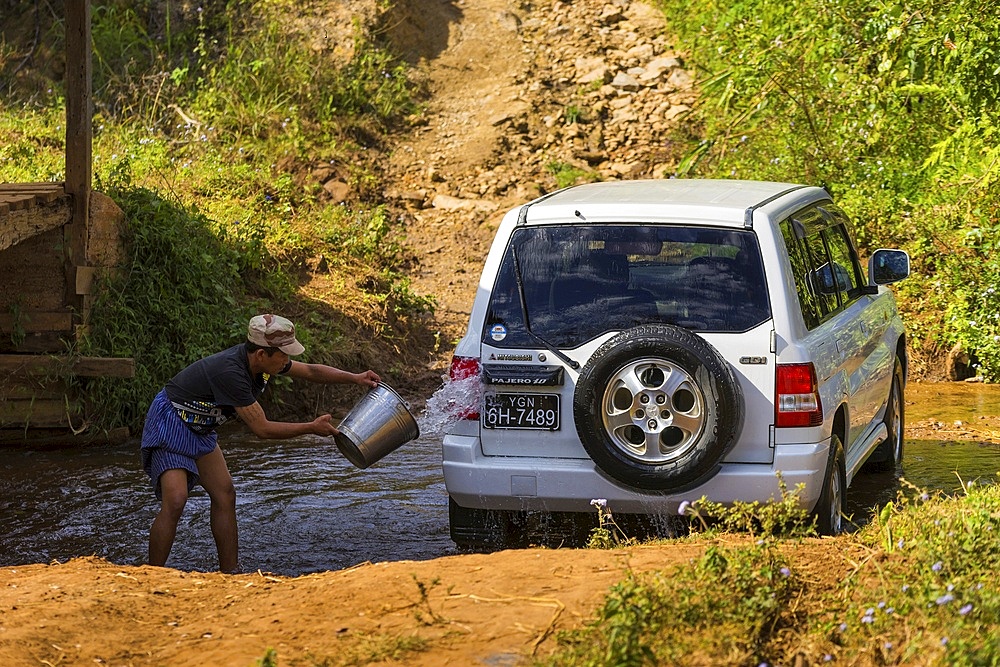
x,y
492,609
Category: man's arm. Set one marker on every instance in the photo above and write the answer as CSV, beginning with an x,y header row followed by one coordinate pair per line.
x,y
329,375
253,416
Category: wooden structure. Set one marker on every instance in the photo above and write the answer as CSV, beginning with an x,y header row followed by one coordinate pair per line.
x,y
54,239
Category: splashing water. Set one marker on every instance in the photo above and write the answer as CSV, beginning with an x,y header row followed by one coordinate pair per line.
x,y
448,404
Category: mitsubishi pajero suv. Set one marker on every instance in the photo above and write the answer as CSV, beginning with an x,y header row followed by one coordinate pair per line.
x,y
652,342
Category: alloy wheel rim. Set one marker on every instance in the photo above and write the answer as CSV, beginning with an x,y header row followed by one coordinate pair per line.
x,y
653,411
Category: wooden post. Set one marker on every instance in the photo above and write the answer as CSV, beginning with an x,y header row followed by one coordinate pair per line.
x,y
79,138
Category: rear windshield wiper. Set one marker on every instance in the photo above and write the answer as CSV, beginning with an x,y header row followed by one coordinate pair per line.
x,y
524,313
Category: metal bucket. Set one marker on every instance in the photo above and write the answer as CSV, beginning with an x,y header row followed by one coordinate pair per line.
x,y
379,424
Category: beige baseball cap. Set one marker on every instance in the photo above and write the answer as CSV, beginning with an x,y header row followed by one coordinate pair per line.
x,y
274,331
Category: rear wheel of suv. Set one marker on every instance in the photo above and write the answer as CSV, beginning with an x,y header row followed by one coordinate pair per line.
x,y
484,530
829,511
890,451
658,408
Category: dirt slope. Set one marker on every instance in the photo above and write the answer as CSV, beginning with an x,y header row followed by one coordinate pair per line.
x,y
517,92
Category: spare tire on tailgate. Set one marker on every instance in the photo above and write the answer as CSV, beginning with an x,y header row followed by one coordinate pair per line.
x,y
657,408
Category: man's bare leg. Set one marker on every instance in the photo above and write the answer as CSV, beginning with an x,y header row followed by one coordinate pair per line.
x,y
174,494
218,483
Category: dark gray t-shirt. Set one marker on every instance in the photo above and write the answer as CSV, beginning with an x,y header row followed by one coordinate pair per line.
x,y
207,393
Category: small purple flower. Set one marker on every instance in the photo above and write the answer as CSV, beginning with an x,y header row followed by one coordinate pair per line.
x,y
683,507
899,545
965,609
937,566
867,619
888,646
785,572
827,658
906,587
945,599
843,627
881,604
944,641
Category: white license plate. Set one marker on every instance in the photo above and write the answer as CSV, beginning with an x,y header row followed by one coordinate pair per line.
x,y
528,411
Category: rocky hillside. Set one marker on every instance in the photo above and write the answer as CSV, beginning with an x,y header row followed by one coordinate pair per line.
x,y
522,97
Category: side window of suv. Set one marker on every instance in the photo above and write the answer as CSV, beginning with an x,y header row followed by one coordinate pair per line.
x,y
846,278
810,260
824,263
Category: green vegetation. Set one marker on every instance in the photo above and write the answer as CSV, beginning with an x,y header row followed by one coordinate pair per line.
x,y
892,105
567,174
918,586
211,122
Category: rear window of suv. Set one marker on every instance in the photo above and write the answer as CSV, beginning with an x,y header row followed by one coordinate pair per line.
x,y
571,283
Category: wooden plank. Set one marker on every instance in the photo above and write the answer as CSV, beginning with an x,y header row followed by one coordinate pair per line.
x,y
119,367
40,413
42,342
48,196
32,388
36,322
79,126
36,364
17,202
35,185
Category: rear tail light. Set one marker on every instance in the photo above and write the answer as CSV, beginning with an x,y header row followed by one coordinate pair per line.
x,y
796,396
463,368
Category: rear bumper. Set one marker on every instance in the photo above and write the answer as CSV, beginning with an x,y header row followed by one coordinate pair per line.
x,y
568,485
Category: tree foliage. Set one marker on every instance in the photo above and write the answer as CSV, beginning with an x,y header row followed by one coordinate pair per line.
x,y
893,106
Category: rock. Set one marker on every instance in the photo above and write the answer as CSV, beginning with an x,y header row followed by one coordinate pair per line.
x,y
958,366
599,74
675,111
610,15
338,191
680,79
323,173
107,220
623,81
500,118
509,21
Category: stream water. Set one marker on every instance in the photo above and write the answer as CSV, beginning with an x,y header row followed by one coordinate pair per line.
x,y
302,507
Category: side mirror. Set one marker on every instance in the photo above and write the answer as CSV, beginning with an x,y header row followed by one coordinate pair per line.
x,y
888,266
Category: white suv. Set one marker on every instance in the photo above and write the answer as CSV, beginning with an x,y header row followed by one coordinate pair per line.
x,y
651,342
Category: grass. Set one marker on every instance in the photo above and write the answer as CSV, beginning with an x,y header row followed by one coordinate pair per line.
x,y
916,586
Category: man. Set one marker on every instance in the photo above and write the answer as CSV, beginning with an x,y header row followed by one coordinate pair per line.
x,y
179,442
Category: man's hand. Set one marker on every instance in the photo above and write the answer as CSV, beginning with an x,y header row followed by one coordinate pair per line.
x,y
323,425
367,379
